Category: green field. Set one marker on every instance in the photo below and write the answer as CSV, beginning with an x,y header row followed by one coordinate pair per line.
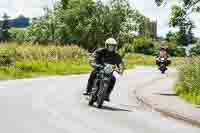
x,y
140,59
27,60
23,61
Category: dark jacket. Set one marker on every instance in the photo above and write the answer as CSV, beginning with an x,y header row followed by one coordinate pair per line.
x,y
103,55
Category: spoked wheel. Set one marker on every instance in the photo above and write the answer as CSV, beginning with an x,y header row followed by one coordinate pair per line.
x,y
101,94
100,101
163,69
93,97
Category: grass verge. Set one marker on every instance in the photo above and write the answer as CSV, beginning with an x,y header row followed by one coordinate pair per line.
x,y
188,86
27,60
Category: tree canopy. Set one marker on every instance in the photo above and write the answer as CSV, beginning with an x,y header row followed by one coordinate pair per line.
x,y
87,23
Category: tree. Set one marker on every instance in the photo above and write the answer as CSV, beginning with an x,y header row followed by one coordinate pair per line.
x,y
77,21
87,23
159,2
171,36
191,38
182,37
180,18
5,27
189,5
64,4
41,29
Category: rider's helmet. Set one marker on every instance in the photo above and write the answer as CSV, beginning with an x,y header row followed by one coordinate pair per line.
x,y
111,44
163,49
163,46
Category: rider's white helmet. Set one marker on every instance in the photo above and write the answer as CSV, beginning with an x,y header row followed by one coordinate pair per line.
x,y
111,44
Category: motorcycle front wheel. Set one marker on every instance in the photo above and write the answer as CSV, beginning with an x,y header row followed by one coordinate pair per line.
x,y
101,94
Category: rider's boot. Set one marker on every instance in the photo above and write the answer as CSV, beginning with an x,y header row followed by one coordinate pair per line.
x,y
107,98
88,90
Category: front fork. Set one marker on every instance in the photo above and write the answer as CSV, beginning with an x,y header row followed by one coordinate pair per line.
x,y
106,82
107,87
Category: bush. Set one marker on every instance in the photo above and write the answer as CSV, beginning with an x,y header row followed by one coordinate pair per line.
x,y
18,34
195,50
179,52
189,81
7,55
145,46
150,47
173,50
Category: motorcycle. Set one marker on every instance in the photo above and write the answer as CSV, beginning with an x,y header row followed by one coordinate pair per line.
x,y
101,84
162,66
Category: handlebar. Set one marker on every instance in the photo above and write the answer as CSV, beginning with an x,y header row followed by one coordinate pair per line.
x,y
115,68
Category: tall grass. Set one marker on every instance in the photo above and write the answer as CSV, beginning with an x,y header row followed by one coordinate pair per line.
x,y
188,86
27,60
140,59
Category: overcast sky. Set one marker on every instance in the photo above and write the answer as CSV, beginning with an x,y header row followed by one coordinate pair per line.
x,y
34,8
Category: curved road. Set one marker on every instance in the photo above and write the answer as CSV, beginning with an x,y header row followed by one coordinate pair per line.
x,y
55,105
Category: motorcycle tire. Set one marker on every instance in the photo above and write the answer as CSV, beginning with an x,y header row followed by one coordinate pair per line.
x,y
101,94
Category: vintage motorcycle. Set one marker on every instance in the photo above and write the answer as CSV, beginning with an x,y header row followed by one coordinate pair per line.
x,y
101,84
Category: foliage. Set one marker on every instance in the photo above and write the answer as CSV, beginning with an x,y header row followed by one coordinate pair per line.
x,y
180,18
4,27
41,29
195,51
133,59
189,5
171,36
18,34
178,52
189,81
146,46
151,47
86,23
7,55
180,38
27,60
173,50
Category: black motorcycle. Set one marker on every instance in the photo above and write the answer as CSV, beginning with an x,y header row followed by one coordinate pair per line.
x,y
163,66
101,84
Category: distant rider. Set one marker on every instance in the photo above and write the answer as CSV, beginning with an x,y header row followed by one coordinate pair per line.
x,y
163,54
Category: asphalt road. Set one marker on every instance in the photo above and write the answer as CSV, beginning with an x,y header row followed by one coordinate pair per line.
x,y
56,105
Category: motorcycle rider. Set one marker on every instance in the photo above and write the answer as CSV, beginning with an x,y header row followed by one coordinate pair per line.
x,y
163,54
101,56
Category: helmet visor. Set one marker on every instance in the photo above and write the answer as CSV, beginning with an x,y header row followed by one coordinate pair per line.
x,y
162,49
111,47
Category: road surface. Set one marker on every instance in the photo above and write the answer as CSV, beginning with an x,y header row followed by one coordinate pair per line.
x,y
56,105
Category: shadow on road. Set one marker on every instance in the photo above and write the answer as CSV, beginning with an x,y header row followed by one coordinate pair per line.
x,y
166,94
114,109
198,106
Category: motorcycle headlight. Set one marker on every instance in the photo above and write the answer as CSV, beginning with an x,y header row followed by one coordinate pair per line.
x,y
162,59
108,69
